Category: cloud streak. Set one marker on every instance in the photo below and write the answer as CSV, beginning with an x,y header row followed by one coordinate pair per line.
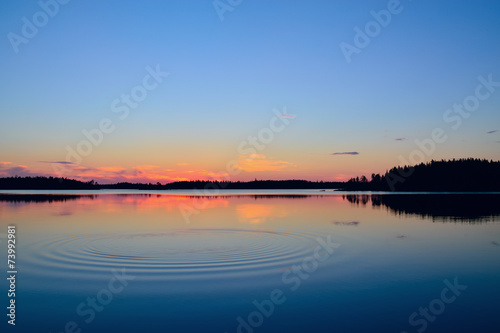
x,y
346,153
8,169
56,162
491,132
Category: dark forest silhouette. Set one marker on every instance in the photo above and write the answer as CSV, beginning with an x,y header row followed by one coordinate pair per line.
x,y
462,175
45,183
53,183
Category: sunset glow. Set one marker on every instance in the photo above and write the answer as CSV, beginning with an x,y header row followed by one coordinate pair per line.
x,y
297,96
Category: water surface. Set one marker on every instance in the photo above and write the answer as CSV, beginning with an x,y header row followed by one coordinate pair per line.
x,y
179,262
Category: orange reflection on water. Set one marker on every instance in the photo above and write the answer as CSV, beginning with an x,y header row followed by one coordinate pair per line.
x,y
155,212
173,202
258,213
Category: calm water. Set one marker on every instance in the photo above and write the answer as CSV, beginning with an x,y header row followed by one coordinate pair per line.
x,y
253,262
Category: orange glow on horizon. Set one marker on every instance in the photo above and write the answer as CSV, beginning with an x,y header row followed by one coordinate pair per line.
x,y
258,163
248,167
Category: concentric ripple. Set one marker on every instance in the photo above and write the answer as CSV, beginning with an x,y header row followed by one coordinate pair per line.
x,y
187,254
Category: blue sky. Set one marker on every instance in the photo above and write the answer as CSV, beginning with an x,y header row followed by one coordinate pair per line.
x,y
226,77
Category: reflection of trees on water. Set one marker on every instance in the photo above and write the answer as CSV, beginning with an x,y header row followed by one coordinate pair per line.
x,y
357,199
37,198
438,207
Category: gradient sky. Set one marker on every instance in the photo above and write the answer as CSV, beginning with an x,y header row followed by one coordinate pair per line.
x,y
227,76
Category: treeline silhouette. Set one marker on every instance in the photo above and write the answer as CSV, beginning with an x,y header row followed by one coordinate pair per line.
x,y
253,185
457,175
54,183
462,175
44,183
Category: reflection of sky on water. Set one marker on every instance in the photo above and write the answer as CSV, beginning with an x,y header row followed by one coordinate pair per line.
x,y
202,275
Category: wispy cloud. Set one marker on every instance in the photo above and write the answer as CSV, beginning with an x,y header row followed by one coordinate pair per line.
x,y
56,162
490,132
400,139
7,169
346,153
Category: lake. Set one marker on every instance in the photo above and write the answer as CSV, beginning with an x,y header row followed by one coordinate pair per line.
x,y
252,261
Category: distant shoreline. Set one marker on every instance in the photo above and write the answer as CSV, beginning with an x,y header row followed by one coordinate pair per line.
x,y
463,175
224,192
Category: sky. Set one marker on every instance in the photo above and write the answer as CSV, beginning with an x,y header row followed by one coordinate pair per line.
x,y
161,91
